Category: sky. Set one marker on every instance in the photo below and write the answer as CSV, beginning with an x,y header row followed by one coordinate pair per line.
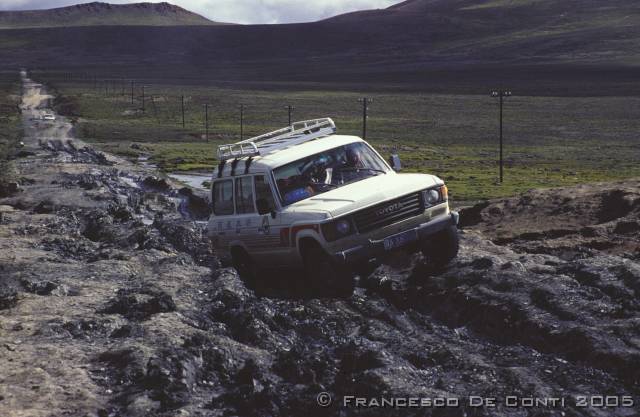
x,y
236,11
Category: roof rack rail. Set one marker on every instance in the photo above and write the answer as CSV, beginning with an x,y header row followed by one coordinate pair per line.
x,y
297,133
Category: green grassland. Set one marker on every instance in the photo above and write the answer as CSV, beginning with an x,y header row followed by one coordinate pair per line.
x,y
549,141
10,123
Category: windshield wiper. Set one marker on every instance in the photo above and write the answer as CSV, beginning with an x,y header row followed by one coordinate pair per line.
x,y
324,183
376,170
363,169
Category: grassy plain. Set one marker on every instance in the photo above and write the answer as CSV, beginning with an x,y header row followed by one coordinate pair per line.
x,y
548,141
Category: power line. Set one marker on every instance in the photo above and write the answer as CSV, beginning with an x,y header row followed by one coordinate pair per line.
x,y
206,121
241,121
365,109
290,109
143,109
182,109
501,94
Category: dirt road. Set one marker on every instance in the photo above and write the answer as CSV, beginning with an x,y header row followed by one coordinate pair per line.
x,y
112,304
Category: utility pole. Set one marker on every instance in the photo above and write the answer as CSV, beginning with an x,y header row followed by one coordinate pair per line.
x,y
182,109
241,121
206,121
290,110
132,82
365,108
153,103
501,94
143,99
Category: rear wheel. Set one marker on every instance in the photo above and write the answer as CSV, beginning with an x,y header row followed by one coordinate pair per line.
x,y
442,247
244,265
322,273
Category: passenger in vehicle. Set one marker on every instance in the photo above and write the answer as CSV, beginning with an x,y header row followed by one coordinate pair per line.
x,y
295,189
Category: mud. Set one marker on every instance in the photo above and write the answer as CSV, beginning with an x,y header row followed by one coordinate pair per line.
x,y
112,303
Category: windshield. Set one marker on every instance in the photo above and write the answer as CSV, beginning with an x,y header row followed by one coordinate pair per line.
x,y
327,170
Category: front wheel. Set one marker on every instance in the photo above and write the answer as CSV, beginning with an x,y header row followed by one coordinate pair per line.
x,y
322,273
442,247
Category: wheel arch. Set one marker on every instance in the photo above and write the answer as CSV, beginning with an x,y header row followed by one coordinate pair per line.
x,y
305,243
236,249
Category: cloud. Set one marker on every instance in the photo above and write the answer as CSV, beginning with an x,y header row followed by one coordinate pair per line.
x,y
278,11
238,11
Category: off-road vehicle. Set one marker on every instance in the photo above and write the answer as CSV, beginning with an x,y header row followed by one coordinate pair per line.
x,y
305,197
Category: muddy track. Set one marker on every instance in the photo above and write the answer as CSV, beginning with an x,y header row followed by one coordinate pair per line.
x,y
113,304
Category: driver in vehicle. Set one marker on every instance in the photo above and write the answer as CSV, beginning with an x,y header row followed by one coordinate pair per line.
x,y
354,159
348,171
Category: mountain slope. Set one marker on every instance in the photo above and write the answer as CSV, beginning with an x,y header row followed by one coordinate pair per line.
x,y
103,14
594,31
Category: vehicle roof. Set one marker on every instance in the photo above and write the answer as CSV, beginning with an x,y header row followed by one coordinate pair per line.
x,y
264,163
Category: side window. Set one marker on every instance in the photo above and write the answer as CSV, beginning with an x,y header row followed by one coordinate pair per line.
x,y
223,197
263,190
244,195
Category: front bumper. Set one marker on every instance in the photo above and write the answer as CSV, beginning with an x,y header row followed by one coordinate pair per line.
x,y
375,248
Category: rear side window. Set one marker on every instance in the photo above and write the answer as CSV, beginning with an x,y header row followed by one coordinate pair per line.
x,y
244,195
222,197
264,191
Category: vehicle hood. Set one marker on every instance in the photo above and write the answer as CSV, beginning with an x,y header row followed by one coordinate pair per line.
x,y
365,193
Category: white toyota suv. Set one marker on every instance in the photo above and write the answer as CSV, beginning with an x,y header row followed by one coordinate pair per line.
x,y
305,197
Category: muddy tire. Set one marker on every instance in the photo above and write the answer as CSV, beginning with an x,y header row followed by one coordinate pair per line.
x,y
443,247
323,275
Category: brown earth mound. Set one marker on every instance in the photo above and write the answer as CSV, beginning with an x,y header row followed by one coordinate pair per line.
x,y
566,222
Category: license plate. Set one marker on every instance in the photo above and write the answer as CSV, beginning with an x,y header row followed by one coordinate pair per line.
x,y
400,239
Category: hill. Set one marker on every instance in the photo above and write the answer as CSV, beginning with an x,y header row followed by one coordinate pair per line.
x,y
103,14
576,45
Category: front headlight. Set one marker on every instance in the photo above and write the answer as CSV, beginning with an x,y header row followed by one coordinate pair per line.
x,y
435,196
431,197
337,229
343,227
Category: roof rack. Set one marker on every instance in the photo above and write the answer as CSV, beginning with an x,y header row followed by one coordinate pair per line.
x,y
297,133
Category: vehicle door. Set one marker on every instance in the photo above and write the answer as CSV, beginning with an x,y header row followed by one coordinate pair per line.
x,y
246,222
221,224
272,238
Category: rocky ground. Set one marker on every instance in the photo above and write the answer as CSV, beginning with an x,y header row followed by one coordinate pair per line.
x,y
113,304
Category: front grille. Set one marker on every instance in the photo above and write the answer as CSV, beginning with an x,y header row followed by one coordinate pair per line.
x,y
389,212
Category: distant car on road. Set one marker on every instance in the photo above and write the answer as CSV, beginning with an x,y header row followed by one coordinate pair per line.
x,y
303,196
49,117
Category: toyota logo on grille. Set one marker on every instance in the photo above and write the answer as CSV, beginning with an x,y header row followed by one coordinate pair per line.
x,y
389,209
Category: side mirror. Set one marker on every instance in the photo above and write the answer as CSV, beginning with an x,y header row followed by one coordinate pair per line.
x,y
263,207
394,161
